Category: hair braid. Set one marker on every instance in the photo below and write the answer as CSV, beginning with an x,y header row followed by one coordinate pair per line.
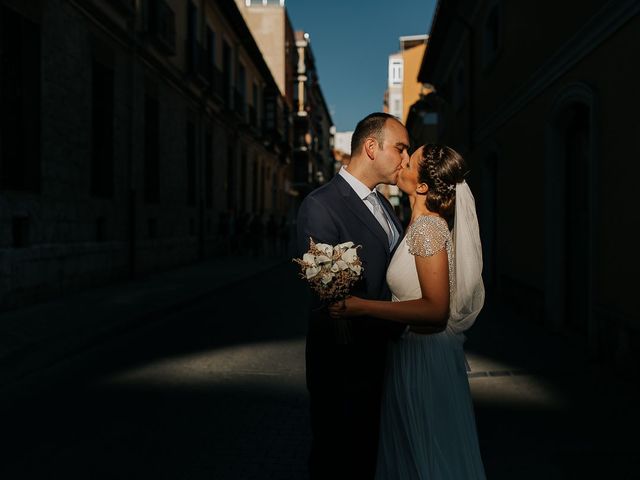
x,y
441,169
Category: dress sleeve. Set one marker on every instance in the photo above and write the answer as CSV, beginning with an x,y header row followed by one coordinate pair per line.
x,y
427,236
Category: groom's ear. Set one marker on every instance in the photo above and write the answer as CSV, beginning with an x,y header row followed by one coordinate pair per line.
x,y
370,146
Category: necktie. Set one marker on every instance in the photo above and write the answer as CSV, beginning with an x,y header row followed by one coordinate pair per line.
x,y
380,215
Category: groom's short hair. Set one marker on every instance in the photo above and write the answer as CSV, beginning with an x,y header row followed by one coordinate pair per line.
x,y
370,126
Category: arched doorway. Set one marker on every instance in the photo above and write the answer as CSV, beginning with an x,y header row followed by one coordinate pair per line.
x,y
575,152
569,214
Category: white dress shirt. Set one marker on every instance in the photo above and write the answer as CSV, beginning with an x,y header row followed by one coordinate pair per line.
x,y
363,192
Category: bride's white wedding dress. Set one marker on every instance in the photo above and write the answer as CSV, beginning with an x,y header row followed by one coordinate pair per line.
x,y
428,428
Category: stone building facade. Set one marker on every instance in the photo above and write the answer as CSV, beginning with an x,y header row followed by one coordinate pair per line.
x,y
136,136
540,106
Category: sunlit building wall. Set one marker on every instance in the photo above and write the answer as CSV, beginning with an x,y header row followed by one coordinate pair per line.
x,y
313,126
403,87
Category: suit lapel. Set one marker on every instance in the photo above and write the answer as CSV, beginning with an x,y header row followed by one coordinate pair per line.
x,y
357,206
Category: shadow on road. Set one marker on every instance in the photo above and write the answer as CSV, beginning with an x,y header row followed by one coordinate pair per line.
x,y
213,391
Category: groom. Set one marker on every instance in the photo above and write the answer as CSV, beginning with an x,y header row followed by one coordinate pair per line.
x,y
345,380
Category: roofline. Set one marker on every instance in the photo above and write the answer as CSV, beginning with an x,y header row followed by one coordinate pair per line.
x,y
406,38
232,13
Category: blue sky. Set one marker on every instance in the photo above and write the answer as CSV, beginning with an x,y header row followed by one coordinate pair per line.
x,y
351,41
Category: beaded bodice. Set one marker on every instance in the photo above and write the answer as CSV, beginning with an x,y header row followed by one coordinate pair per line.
x,y
425,237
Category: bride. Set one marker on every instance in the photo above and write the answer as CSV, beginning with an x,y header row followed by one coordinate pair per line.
x,y
428,428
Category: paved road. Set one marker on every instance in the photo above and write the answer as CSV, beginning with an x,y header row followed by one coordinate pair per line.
x,y
200,394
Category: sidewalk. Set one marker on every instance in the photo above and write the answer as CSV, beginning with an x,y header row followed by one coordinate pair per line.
x,y
35,338
545,407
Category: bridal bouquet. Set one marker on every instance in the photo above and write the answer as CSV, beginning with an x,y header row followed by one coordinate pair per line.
x,y
331,272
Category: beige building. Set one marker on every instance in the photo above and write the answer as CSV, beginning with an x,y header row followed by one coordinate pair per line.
x,y
540,106
271,27
403,87
146,127
309,125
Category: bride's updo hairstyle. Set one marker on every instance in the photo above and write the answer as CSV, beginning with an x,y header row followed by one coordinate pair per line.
x,y
441,169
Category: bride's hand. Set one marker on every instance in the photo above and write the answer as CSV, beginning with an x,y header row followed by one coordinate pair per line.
x,y
345,308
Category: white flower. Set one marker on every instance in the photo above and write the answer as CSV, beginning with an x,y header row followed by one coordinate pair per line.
x,y
350,255
312,271
327,277
320,259
325,248
309,259
340,265
343,246
356,268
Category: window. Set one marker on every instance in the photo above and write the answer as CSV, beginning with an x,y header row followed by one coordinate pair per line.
x,y
20,97
101,229
211,47
458,94
430,118
152,228
254,109
208,169
395,103
191,164
192,37
241,88
269,112
492,34
151,150
253,3
243,180
226,79
395,72
102,130
231,178
255,95
161,24
20,231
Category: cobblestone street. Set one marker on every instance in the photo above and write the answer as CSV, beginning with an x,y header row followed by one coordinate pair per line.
x,y
200,393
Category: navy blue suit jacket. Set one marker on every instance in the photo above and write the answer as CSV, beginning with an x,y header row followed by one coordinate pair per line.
x,y
345,381
334,214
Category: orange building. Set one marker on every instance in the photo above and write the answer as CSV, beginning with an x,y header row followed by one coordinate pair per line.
x,y
403,88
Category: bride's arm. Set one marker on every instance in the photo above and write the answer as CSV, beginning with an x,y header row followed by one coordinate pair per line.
x,y
431,310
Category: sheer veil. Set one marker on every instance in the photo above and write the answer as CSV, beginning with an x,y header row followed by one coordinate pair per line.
x,y
468,294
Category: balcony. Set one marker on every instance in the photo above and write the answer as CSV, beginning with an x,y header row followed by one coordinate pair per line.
x,y
160,25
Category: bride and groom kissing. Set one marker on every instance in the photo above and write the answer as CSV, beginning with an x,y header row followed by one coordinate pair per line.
x,y
394,401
